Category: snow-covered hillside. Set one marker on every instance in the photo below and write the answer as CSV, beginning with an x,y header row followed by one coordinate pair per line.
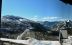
x,y
32,41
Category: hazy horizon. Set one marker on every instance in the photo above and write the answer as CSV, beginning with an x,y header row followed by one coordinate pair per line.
x,y
37,10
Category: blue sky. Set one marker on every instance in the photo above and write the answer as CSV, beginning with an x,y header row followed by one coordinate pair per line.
x,y
50,10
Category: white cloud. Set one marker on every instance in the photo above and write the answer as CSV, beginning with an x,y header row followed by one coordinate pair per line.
x,y
50,18
63,19
47,18
35,18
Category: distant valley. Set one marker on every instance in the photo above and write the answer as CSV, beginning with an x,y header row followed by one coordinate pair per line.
x,y
12,26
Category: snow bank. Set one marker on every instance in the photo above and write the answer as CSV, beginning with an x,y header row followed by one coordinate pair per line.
x,y
33,41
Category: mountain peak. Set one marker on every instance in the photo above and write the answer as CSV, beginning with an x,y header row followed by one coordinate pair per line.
x,y
12,17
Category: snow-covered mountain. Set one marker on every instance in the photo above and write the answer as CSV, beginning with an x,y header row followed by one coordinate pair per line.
x,y
17,25
14,26
48,24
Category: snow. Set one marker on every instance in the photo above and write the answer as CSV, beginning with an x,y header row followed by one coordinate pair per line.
x,y
21,19
15,41
33,41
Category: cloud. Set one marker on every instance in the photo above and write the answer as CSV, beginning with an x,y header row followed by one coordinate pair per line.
x,y
34,18
63,19
47,18
50,18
